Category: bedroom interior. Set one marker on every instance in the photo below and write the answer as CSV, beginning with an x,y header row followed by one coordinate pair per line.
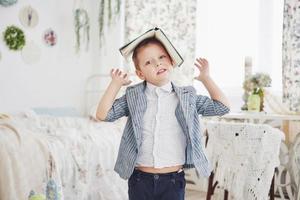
x,y
55,62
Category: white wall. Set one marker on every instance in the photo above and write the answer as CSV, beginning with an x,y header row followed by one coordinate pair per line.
x,y
59,77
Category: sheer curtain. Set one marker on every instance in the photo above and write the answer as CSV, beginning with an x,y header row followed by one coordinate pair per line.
x,y
228,31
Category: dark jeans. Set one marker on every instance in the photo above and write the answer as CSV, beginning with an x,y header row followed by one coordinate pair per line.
x,y
148,186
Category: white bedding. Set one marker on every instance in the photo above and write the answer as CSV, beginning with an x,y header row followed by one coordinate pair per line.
x,y
76,153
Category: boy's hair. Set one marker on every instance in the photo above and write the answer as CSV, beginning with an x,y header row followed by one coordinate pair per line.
x,y
142,44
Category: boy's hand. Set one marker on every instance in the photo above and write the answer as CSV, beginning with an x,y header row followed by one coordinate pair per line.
x,y
119,77
203,66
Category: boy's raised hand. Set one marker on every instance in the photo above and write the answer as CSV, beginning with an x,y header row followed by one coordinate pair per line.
x,y
203,66
119,77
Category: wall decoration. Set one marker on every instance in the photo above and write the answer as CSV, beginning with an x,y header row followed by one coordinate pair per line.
x,y
291,55
106,16
82,28
50,37
28,17
14,38
7,2
31,53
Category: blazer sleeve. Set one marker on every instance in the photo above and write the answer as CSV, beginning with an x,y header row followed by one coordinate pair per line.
x,y
209,107
119,109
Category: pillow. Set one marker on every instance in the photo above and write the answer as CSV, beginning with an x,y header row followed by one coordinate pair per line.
x,y
57,111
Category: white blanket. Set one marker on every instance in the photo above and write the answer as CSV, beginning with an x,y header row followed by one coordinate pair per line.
x,y
76,154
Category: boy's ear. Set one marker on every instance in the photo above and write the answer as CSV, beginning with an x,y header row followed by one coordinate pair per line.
x,y
140,74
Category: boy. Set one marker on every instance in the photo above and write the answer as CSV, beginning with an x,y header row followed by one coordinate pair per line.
x,y
162,133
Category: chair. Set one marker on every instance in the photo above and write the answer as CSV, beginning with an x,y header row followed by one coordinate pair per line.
x,y
243,158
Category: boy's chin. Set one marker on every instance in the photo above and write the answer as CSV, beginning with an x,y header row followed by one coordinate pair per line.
x,y
164,80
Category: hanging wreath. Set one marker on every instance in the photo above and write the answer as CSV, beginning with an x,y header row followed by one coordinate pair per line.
x,y
7,2
14,38
106,16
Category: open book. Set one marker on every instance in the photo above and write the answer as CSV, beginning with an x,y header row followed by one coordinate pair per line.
x,y
127,49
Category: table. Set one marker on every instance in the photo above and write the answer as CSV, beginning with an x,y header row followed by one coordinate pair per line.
x,y
283,175
264,118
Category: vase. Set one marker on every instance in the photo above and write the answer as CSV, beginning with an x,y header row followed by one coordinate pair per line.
x,y
261,96
253,102
260,92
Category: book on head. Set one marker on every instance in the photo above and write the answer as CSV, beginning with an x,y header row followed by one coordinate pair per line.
x,y
157,33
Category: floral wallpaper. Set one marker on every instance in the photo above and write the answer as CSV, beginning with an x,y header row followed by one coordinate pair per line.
x,y
178,21
291,54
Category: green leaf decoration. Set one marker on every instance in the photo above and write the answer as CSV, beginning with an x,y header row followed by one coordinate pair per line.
x,y
7,3
82,21
107,9
101,21
14,38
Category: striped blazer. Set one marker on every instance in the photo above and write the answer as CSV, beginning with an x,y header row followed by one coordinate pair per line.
x,y
133,105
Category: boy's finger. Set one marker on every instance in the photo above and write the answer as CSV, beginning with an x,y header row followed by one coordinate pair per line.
x,y
198,66
116,71
200,61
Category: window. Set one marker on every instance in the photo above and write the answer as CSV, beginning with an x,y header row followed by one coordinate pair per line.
x,y
228,31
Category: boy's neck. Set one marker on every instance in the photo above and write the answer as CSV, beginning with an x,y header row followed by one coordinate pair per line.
x,y
159,84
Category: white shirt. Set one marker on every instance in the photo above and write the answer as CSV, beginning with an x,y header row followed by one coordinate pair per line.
x,y
163,141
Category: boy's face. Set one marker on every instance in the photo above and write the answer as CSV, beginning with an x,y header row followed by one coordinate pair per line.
x,y
155,64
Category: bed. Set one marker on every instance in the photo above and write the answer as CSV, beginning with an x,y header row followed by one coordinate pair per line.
x,y
54,157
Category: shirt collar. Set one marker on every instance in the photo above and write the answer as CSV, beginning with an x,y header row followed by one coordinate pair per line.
x,y
165,88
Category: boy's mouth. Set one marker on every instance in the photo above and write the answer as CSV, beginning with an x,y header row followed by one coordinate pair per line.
x,y
161,71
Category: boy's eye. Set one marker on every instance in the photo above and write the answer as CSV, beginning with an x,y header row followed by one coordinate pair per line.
x,y
162,56
147,63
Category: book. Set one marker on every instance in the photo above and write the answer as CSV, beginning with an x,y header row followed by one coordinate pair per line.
x,y
156,32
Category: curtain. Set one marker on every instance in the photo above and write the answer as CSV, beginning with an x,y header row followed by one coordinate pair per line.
x,y
291,54
178,21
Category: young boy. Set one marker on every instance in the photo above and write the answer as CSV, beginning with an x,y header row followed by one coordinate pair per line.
x,y
162,134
